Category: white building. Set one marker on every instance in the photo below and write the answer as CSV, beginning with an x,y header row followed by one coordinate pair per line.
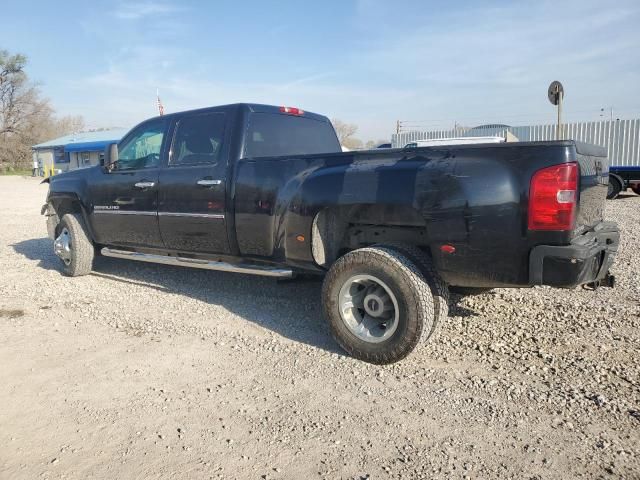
x,y
78,150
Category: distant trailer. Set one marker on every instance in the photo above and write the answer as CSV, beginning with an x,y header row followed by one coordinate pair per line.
x,y
455,141
623,177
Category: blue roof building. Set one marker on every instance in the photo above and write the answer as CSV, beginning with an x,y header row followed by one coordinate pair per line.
x,y
78,150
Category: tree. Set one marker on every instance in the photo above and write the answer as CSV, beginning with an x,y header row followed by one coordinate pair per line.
x,y
66,125
26,118
345,132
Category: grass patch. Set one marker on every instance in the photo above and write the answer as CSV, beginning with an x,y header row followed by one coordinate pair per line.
x,y
16,171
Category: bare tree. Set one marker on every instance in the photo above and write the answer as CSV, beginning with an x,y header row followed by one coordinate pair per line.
x,y
25,117
20,102
353,143
343,130
346,132
57,127
66,125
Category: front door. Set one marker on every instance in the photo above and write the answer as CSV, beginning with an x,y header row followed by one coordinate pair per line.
x,y
191,209
125,209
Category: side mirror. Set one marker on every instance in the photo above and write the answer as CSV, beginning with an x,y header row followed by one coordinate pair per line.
x,y
110,156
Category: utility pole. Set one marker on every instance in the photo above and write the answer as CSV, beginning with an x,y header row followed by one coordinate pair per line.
x,y
560,133
398,127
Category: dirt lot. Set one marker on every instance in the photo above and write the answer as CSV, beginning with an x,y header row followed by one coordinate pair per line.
x,y
145,371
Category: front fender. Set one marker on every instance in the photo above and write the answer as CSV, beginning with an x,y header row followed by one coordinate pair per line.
x,y
67,193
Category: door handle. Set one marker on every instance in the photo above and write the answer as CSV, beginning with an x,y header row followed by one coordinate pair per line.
x,y
208,183
144,184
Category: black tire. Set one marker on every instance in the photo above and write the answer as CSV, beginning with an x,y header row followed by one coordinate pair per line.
x,y
469,291
614,189
439,288
81,248
413,295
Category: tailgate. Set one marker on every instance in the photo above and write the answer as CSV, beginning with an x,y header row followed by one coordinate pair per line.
x,y
594,178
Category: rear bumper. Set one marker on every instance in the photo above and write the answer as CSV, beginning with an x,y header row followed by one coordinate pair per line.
x,y
587,259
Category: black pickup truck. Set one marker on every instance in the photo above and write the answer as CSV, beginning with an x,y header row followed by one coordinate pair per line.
x,y
265,190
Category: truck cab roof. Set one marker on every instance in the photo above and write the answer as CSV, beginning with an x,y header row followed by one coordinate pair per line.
x,y
251,108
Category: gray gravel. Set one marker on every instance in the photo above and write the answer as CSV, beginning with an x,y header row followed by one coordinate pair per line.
x,y
146,371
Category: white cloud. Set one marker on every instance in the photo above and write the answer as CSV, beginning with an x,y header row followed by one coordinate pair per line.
x,y
138,10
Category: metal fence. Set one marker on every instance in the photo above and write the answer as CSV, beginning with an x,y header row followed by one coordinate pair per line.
x,y
621,138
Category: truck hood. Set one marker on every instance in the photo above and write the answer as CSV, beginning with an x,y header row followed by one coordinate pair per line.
x,y
71,174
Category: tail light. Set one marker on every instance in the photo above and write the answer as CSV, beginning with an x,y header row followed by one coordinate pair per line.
x,y
292,110
553,198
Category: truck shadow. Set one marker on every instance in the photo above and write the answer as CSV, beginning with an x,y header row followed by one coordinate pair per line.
x,y
626,195
291,309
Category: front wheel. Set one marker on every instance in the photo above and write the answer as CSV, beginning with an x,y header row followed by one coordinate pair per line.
x,y
73,246
377,304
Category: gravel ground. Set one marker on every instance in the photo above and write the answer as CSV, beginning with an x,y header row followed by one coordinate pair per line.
x,y
148,371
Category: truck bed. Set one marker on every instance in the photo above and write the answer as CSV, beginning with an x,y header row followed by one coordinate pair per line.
x,y
473,197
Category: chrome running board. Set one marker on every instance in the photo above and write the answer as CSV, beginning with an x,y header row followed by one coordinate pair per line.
x,y
199,263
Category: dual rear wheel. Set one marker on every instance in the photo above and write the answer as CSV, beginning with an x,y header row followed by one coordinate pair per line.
x,y
379,301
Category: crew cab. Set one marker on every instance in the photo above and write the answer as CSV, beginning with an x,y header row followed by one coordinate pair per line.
x,y
266,190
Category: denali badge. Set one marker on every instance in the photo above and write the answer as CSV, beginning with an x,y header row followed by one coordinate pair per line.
x,y
106,207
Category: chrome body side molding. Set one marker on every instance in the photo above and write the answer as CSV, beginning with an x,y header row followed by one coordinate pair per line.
x,y
194,215
162,214
125,212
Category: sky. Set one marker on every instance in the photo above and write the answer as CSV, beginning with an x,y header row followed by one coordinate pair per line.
x,y
430,64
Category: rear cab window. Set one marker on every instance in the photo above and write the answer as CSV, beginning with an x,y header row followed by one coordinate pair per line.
x,y
274,135
198,139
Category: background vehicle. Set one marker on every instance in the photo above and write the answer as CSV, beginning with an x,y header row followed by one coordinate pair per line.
x,y
454,141
621,178
265,190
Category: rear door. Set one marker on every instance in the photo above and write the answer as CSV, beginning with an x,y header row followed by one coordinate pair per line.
x,y
191,208
125,199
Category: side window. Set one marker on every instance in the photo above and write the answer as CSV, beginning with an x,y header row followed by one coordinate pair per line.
x,y
142,148
198,139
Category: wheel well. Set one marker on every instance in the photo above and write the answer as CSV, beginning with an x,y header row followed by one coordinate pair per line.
x,y
66,205
338,230
62,206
